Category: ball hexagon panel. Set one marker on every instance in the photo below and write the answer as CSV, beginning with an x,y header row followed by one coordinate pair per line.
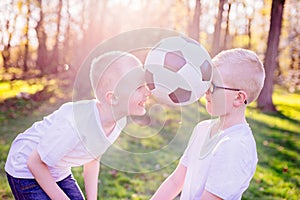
x,y
180,95
154,59
149,80
171,44
194,54
206,71
192,77
163,77
174,61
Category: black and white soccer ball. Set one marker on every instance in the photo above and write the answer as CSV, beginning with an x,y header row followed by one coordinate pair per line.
x,y
178,70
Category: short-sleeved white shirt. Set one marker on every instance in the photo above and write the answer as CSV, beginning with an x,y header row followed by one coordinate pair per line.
x,y
223,165
71,136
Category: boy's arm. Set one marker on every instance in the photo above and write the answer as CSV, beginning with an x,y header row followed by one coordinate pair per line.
x,y
42,175
90,174
171,187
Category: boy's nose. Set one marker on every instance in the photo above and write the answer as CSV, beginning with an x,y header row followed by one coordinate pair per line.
x,y
148,92
207,92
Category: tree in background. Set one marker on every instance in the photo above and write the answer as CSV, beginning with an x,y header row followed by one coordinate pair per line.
x,y
8,29
193,28
26,37
265,102
56,53
291,74
42,59
216,47
227,34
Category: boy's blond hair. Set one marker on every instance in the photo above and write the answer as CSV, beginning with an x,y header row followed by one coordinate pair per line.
x,y
107,69
247,71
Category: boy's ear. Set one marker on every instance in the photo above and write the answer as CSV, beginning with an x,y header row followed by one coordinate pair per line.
x,y
241,98
111,98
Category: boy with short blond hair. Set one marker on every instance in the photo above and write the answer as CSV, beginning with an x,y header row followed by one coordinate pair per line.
x,y
221,156
78,133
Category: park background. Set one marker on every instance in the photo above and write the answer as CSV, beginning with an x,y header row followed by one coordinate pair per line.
x,y
43,43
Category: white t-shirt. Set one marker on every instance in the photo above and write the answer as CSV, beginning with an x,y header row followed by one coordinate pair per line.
x,y
71,136
223,165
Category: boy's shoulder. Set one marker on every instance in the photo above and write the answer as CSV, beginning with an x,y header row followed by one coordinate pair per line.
x,y
238,140
77,106
72,110
83,108
70,104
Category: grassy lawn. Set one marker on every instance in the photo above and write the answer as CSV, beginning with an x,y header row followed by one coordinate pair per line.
x,y
277,136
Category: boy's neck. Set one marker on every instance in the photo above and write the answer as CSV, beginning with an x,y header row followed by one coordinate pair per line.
x,y
229,120
107,118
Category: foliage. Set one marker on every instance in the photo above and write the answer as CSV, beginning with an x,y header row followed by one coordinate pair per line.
x,y
277,137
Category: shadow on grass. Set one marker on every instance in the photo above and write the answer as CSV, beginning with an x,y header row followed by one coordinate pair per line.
x,y
278,147
284,113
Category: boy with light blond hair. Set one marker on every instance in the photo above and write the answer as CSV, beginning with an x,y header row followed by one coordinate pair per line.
x,y
78,133
221,156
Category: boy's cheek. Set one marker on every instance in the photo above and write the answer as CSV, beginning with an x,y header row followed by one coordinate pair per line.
x,y
216,107
137,110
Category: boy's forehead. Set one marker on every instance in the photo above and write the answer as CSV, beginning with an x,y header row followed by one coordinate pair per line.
x,y
131,80
221,74
217,76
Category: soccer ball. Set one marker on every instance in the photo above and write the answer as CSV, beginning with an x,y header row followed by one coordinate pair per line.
x,y
178,70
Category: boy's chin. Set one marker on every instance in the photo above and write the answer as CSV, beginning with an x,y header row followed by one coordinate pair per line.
x,y
142,120
139,113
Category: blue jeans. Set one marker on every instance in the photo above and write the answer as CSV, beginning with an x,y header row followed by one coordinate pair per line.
x,y
29,189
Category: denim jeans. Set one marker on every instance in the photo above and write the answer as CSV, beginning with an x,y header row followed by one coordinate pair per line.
x,y
29,189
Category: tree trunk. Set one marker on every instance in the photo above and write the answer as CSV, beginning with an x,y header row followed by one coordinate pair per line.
x,y
67,38
227,35
217,34
249,33
265,102
194,25
6,50
7,46
94,34
55,53
42,60
26,46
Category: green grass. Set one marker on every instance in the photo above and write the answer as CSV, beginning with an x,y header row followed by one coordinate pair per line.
x,y
277,136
